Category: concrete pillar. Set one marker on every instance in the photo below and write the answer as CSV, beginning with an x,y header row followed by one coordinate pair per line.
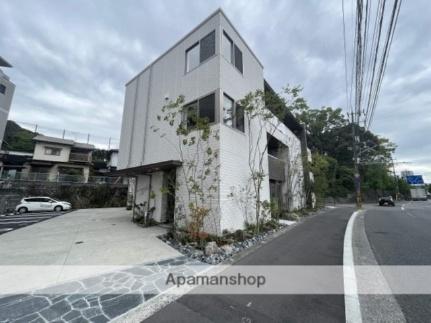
x,y
86,173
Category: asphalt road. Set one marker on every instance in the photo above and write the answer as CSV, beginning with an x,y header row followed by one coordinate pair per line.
x,y
317,241
13,222
402,236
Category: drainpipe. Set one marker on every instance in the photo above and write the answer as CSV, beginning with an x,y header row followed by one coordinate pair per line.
x,y
149,192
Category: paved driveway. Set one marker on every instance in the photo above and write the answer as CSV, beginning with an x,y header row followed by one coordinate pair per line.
x,y
77,244
17,221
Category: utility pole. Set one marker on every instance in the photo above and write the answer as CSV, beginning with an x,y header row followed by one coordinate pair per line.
x,y
397,193
357,176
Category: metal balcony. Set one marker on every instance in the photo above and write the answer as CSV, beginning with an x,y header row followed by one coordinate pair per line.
x,y
80,157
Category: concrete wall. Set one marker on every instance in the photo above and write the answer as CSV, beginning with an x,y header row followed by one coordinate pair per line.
x,y
5,102
39,152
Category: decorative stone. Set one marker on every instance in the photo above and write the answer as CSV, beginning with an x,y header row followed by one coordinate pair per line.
x,y
211,248
227,249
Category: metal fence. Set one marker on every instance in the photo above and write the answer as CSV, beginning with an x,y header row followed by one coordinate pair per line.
x,y
60,178
100,142
8,202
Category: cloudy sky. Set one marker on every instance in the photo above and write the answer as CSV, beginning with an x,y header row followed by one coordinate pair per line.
x,y
72,58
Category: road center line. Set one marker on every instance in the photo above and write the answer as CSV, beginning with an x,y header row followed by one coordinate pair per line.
x,y
351,297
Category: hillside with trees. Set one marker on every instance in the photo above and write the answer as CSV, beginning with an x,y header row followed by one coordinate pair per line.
x,y
17,138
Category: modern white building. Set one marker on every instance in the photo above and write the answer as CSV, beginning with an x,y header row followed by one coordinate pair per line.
x,y
213,68
7,88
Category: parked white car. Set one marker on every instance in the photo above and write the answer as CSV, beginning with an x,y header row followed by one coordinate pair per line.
x,y
41,203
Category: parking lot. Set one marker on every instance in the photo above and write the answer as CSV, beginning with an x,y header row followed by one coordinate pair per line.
x,y
12,222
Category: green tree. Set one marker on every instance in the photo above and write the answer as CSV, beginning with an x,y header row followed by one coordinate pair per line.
x,y
196,146
18,138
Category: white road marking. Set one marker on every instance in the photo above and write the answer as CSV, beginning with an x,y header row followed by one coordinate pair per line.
x,y
19,222
402,207
26,217
351,297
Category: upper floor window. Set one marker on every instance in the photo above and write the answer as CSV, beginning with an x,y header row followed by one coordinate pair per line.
x,y
204,108
200,52
233,114
2,88
227,48
238,58
231,52
192,57
228,110
52,151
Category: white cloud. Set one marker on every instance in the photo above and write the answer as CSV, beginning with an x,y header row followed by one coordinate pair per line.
x,y
70,68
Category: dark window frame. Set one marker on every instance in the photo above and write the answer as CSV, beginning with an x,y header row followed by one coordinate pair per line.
x,y
231,46
236,106
236,59
234,50
198,43
213,44
187,51
233,109
3,88
185,117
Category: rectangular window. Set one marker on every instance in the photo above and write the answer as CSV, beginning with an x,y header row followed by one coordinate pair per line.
x,y
239,118
227,48
200,52
233,114
52,151
192,57
207,108
231,52
2,88
207,46
203,108
227,111
191,114
238,58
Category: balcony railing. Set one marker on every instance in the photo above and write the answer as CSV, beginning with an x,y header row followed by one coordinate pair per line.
x,y
80,157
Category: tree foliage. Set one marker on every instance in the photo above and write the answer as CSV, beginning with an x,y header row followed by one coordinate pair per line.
x,y
17,138
330,139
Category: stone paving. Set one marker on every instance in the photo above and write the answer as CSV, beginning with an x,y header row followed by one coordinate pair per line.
x,y
96,299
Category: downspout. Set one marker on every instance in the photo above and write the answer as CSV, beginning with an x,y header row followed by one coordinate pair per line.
x,y
149,191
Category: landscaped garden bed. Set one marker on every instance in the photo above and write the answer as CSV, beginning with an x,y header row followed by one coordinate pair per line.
x,y
215,249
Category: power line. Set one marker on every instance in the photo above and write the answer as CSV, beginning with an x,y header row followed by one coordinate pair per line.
x,y
370,57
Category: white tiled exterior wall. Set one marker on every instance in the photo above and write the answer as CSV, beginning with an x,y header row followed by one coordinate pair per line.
x,y
5,102
166,79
